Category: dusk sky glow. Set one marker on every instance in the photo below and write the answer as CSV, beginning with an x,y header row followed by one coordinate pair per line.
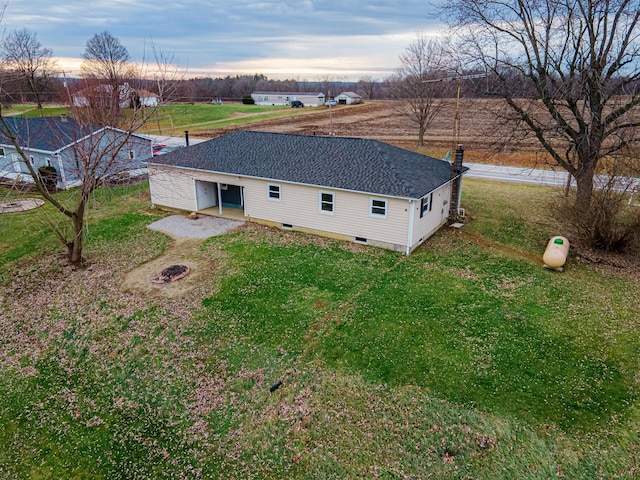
x,y
302,40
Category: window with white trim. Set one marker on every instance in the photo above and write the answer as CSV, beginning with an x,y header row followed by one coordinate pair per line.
x,y
326,203
425,204
273,192
378,207
2,154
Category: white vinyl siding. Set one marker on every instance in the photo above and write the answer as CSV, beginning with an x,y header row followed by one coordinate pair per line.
x,y
172,187
426,224
300,208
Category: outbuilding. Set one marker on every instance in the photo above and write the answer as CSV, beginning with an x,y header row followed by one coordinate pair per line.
x,y
348,98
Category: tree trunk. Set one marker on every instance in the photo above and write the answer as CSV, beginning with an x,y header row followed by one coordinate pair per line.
x,y
421,130
584,189
75,246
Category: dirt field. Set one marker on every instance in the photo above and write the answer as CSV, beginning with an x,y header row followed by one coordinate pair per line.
x,y
385,121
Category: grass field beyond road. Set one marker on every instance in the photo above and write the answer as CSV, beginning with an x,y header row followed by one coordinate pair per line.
x,y
465,359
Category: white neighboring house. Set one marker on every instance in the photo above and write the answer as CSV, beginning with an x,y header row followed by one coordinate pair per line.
x,y
99,95
348,98
147,98
285,98
354,189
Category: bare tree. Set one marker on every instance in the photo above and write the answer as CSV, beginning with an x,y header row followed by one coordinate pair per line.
x,y
94,152
107,62
165,73
25,55
582,59
421,65
368,87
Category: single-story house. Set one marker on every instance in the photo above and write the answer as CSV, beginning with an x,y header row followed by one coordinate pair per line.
x,y
347,98
63,143
354,189
285,98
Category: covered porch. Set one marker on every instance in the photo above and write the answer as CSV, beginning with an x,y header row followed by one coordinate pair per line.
x,y
220,199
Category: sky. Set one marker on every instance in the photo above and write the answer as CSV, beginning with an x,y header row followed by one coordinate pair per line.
x,y
304,40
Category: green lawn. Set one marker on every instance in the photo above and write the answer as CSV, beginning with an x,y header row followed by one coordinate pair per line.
x,y
465,359
173,119
199,116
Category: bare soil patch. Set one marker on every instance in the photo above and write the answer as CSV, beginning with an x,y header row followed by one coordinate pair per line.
x,y
183,252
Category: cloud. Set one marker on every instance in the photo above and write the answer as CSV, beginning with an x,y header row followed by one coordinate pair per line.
x,y
295,36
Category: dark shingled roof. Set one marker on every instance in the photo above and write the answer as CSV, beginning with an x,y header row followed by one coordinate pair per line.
x,y
332,162
49,134
45,133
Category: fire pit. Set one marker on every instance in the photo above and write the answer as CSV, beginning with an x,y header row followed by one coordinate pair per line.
x,y
171,274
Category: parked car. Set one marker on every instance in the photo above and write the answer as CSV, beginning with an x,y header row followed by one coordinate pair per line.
x,y
162,149
156,149
297,104
331,103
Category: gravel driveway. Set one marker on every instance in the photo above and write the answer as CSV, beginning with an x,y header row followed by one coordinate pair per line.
x,y
202,227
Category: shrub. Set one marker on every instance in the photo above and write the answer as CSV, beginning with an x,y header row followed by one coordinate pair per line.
x,y
247,100
612,224
49,177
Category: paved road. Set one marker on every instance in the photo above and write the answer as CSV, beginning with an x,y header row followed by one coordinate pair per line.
x,y
536,176
517,174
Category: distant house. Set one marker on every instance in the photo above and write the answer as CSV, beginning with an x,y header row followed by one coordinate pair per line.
x,y
285,98
61,142
98,95
147,98
347,98
354,189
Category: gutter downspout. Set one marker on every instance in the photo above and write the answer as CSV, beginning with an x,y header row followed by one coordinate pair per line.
x,y
410,232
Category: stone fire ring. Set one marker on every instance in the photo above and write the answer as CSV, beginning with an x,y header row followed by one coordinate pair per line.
x,y
20,205
171,274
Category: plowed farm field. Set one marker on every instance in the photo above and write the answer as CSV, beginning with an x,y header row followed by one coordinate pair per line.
x,y
386,121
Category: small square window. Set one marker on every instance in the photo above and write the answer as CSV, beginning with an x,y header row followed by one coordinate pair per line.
x,y
425,205
378,207
273,192
2,154
326,202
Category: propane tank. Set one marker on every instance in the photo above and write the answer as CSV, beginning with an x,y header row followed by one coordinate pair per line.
x,y
555,255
